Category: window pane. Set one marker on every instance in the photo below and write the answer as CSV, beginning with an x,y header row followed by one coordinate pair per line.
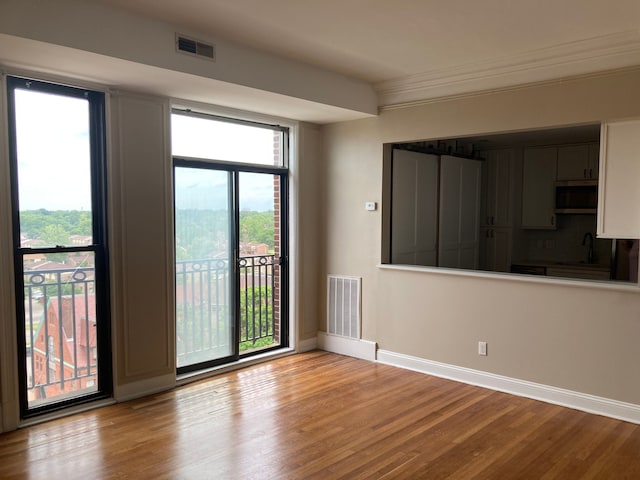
x,y
54,169
199,137
60,326
204,317
259,269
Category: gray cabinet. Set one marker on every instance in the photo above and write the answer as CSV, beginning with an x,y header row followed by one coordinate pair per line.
x,y
495,249
497,186
414,227
578,162
435,219
538,191
459,232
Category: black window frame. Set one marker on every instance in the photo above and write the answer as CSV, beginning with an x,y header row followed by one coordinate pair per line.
x,y
99,247
234,169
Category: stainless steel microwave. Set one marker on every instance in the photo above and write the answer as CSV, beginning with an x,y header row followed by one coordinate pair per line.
x,y
576,196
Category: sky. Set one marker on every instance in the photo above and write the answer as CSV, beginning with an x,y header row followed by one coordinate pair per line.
x,y
53,151
203,138
53,154
200,189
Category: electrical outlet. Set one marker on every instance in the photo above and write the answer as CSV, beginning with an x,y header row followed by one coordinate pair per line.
x,y
482,348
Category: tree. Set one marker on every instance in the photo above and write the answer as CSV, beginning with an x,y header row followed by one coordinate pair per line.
x,y
257,227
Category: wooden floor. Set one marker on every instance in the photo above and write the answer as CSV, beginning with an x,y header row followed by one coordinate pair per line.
x,y
321,415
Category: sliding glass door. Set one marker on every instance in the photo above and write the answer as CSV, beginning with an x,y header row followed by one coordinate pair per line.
x,y
204,265
231,241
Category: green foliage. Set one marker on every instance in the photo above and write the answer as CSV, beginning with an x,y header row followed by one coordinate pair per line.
x,y
259,343
54,234
201,233
54,227
256,313
202,331
205,233
37,223
257,227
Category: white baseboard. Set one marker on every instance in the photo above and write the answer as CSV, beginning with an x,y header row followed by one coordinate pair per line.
x,y
307,344
363,349
132,390
567,398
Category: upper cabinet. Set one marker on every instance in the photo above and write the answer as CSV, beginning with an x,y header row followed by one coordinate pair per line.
x,y
538,195
578,162
619,186
497,187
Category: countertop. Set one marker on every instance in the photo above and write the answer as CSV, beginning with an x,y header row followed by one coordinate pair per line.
x,y
572,265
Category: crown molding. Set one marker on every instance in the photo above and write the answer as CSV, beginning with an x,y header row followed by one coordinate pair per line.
x,y
607,52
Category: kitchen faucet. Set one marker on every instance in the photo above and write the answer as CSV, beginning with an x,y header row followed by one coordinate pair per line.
x,y
589,237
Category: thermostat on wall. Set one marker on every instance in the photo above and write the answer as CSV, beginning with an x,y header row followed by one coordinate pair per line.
x,y
370,206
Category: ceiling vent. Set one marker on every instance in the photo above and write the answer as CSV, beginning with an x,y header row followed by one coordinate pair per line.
x,y
191,46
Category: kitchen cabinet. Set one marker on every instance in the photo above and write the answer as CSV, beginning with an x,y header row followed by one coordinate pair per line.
x,y
497,187
459,232
495,249
538,191
415,193
618,187
578,162
579,272
436,210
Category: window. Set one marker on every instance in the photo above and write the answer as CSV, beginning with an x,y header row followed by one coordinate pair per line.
x,y
57,147
231,238
516,203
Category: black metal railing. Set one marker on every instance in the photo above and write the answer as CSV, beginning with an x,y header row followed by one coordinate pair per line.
x,y
60,336
204,323
61,355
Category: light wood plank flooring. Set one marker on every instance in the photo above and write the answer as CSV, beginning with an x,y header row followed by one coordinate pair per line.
x,y
324,416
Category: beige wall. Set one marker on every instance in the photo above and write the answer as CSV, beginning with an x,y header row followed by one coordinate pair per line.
x,y
574,337
141,249
308,178
141,243
8,379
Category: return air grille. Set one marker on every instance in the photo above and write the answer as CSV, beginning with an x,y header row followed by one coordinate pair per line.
x,y
343,306
191,46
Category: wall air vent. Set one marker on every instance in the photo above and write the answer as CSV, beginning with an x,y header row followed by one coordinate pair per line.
x,y
191,46
343,306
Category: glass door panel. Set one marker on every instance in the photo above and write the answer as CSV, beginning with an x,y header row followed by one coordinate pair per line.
x,y
204,265
259,261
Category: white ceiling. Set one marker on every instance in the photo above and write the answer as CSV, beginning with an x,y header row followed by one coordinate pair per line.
x,y
408,50
382,40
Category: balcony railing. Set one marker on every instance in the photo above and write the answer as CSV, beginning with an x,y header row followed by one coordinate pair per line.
x,y
60,332
60,316
203,307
